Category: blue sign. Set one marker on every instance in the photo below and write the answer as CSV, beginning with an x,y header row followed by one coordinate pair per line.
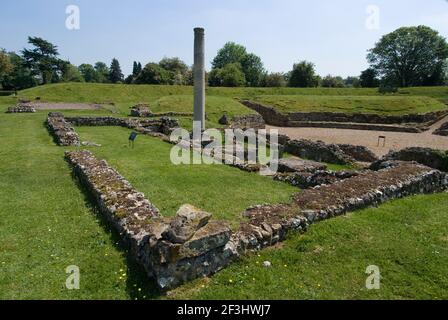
x,y
133,136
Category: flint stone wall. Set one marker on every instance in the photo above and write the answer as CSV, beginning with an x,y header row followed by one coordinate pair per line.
x,y
433,158
21,108
249,121
190,245
273,117
359,153
318,151
62,131
443,130
172,250
306,180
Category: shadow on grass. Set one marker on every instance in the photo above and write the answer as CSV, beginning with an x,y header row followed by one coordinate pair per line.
x,y
138,284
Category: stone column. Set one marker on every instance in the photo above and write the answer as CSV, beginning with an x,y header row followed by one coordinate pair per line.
x,y
199,77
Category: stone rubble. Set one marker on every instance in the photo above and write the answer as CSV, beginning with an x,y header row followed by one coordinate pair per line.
x,y
62,131
318,151
437,159
21,108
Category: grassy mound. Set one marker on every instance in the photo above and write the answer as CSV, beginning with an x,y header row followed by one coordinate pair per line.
x,y
383,105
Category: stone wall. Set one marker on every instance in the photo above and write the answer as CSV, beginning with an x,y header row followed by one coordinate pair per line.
x,y
306,180
436,159
359,153
318,151
273,117
172,250
443,130
249,121
191,245
21,108
62,131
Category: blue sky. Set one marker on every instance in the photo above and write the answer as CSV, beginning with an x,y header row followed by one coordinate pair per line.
x,y
332,34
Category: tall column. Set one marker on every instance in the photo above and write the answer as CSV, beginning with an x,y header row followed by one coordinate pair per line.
x,y
199,77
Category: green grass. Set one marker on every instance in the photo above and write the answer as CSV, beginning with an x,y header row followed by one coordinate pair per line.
x,y
47,223
407,239
383,105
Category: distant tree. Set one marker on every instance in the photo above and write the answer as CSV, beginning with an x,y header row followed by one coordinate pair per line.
x,y
368,78
20,77
303,75
5,63
272,80
88,72
231,75
70,73
43,60
177,68
102,72
352,82
332,82
115,74
250,64
410,56
153,73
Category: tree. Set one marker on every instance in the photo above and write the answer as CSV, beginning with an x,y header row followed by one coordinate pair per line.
x,y
42,59
5,64
153,73
368,78
303,75
352,82
177,68
250,64
20,77
88,72
231,75
273,80
70,73
332,82
102,72
410,56
115,74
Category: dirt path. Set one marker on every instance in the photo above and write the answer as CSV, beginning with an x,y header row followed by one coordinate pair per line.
x,y
65,106
394,140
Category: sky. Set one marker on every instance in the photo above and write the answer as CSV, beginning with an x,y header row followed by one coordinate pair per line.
x,y
333,34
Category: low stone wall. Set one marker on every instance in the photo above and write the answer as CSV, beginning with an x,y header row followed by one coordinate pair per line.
x,y
249,121
273,117
140,110
21,108
410,128
436,159
191,245
443,130
359,153
172,250
306,180
163,125
318,151
62,131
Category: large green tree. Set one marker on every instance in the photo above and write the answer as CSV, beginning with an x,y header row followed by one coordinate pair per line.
x,y
231,75
115,74
250,64
102,72
178,69
71,73
410,56
153,73
369,78
303,75
43,59
5,63
20,77
88,72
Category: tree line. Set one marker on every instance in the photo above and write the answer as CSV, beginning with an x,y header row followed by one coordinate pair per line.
x,y
409,56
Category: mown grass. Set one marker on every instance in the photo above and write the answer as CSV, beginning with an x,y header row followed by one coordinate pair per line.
x,y
386,105
407,239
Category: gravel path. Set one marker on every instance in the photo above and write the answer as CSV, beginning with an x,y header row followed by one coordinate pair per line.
x,y
394,140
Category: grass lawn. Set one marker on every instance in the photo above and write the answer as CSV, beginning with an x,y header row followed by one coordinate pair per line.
x,y
47,224
407,239
383,105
